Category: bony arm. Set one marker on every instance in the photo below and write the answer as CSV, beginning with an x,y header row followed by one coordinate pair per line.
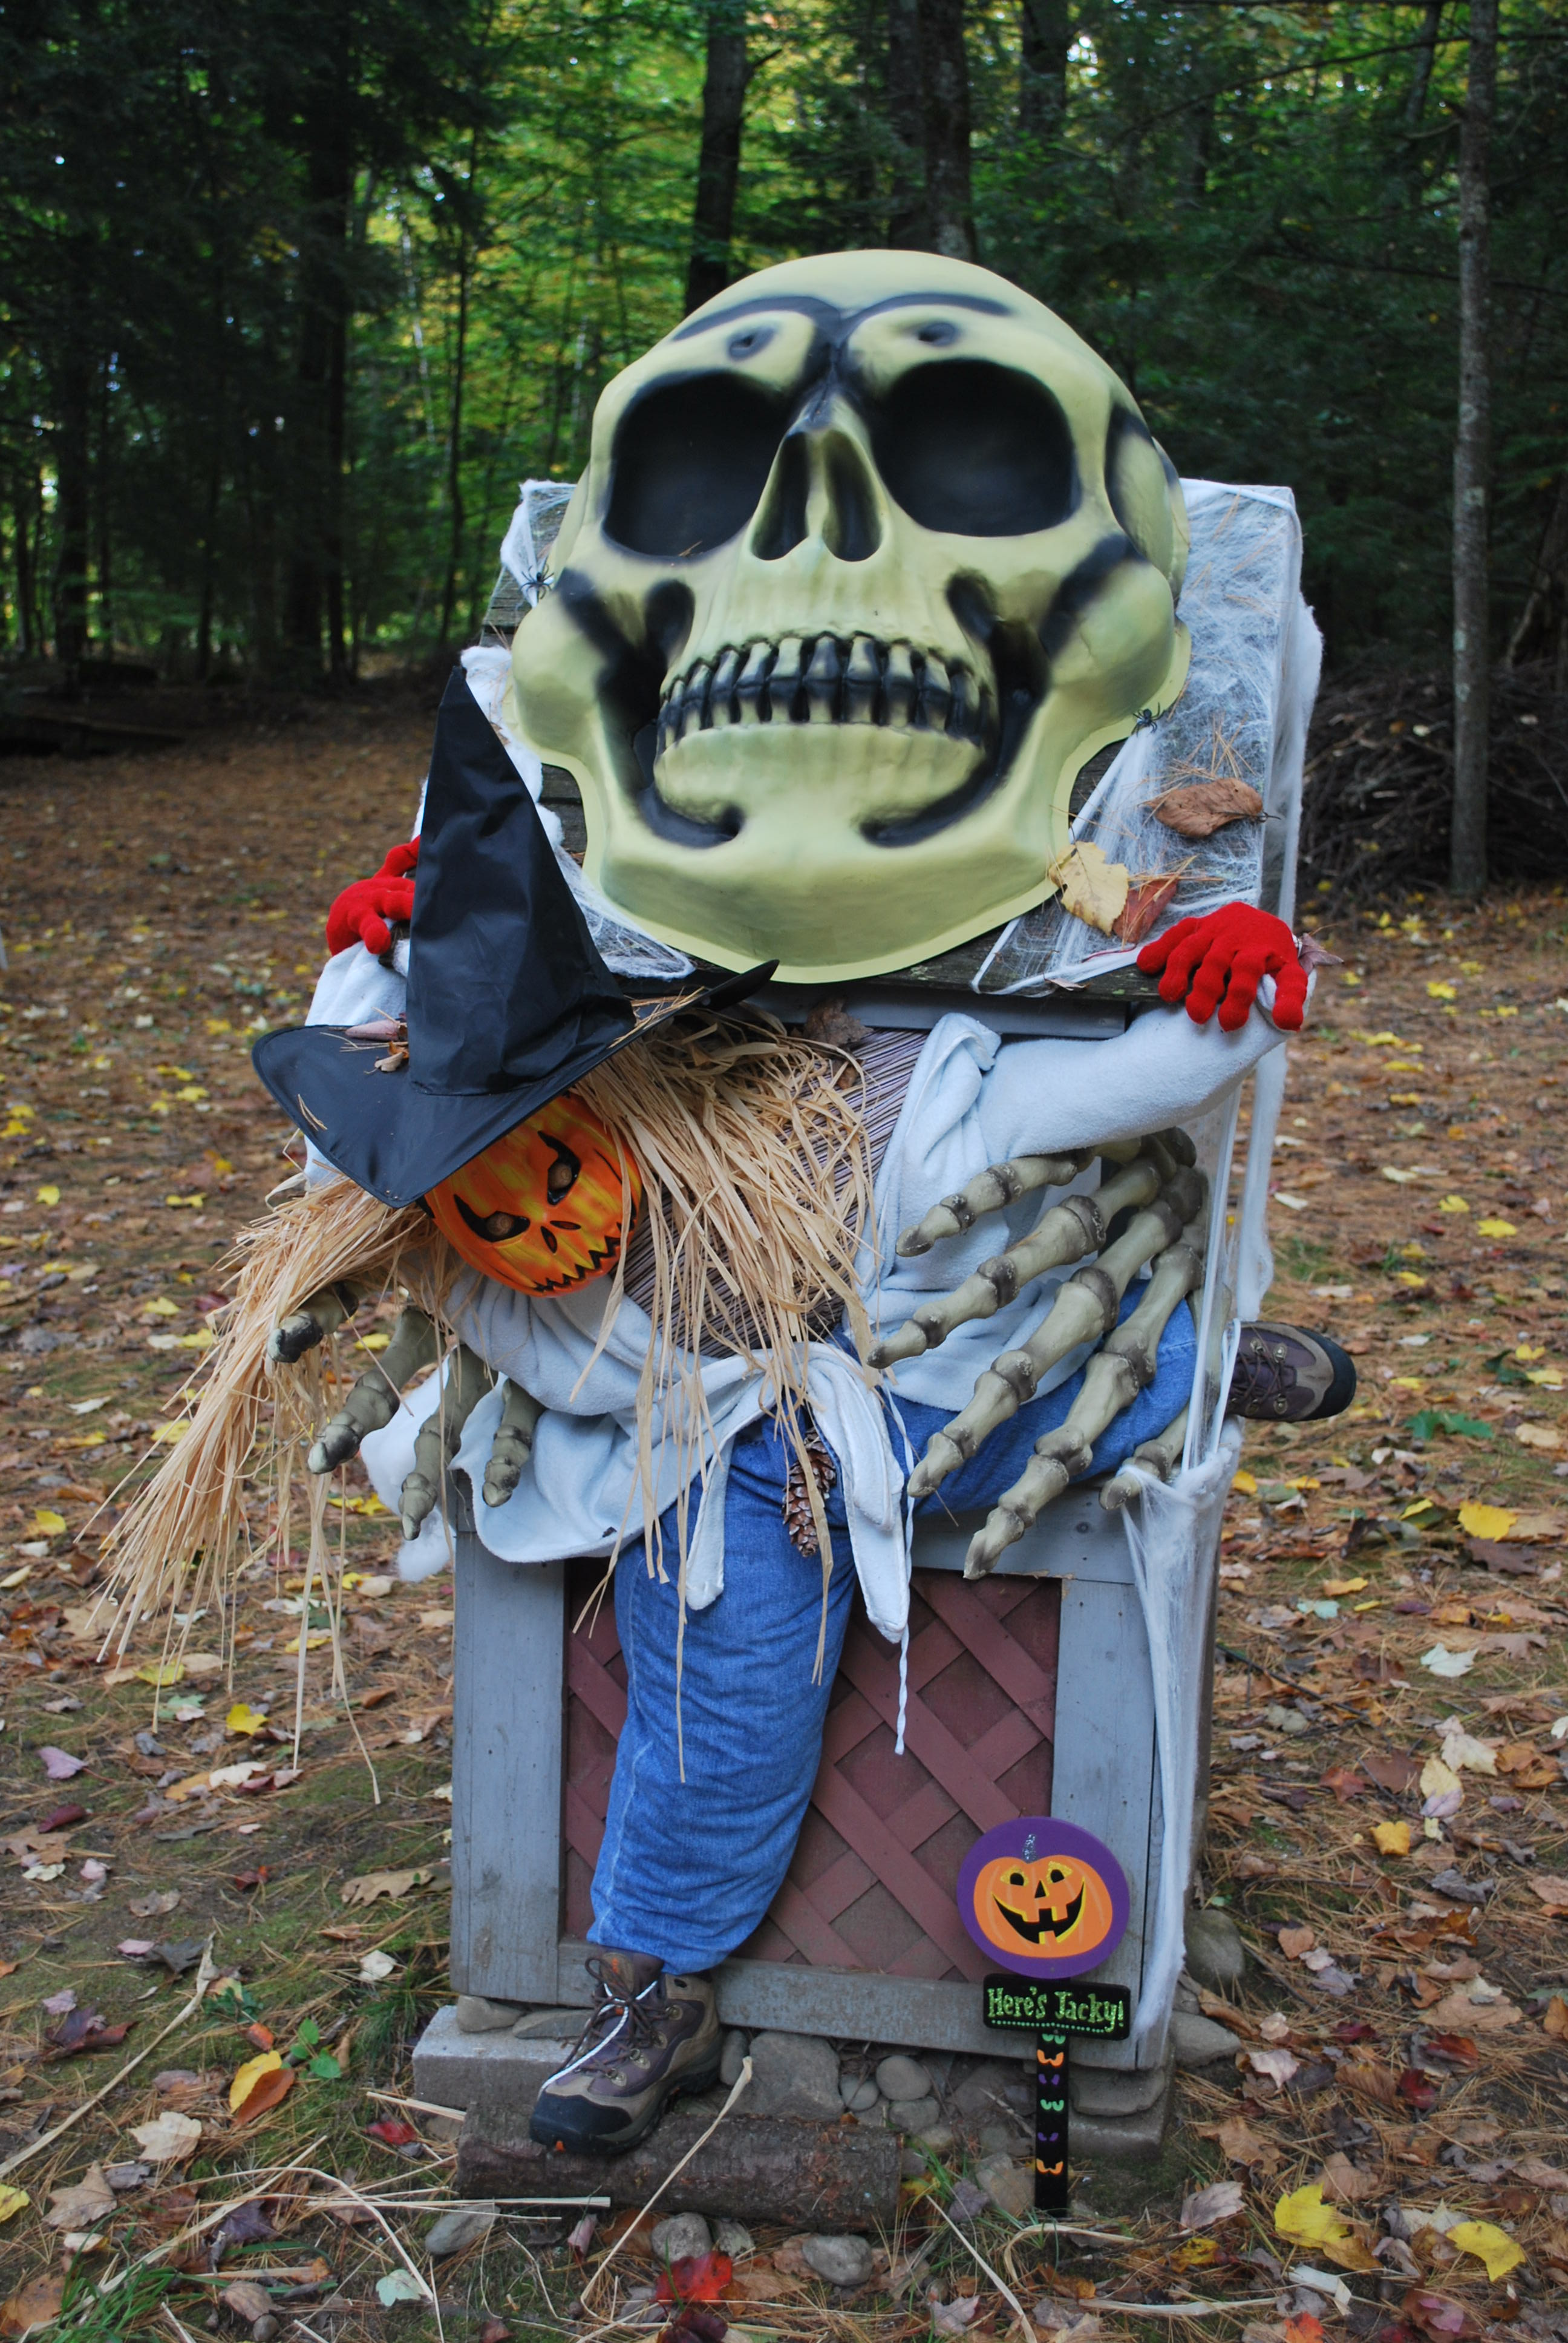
x,y
373,1401
440,1436
513,1444
319,1315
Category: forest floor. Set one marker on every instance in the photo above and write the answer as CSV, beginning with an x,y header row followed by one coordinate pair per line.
x,y
1389,1817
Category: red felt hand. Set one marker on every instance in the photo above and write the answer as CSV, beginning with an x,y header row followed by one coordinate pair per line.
x,y
1219,961
361,913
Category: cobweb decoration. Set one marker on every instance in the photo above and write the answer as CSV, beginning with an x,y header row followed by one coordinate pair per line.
x,y
525,548
1242,717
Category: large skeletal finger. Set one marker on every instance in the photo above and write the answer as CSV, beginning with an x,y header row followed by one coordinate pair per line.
x,y
440,1435
1084,1310
999,1184
513,1444
1066,1232
373,1401
1157,1459
1119,1371
317,1316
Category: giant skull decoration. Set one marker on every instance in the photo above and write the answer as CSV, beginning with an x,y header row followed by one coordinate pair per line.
x,y
871,555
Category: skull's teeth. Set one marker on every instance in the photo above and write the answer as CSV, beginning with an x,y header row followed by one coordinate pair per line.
x,y
825,679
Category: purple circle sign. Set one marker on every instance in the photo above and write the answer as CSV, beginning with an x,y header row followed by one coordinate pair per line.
x,y
1043,1898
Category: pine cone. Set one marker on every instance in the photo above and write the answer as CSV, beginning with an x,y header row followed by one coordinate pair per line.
x,y
798,1518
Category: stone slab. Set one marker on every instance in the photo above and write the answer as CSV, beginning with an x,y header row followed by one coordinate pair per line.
x,y
811,2176
454,2069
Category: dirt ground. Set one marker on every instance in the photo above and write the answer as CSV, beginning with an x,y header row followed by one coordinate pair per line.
x,y
1388,1820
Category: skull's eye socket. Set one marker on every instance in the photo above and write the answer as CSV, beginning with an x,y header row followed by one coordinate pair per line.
x,y
975,449
691,461
562,1174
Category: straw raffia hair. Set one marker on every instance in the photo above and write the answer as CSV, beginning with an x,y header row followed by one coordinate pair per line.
x,y
757,1174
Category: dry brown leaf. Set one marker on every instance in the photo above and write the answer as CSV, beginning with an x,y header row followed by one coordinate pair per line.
x,y
1295,1942
1556,2018
86,2202
1146,900
372,1884
1346,2182
1092,890
1552,1888
1242,2145
266,2092
34,2306
1457,2014
1200,808
1368,2078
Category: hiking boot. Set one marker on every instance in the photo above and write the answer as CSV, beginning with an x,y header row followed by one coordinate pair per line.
x,y
648,2037
1285,1375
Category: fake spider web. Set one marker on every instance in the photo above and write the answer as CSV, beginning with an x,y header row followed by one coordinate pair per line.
x,y
1242,717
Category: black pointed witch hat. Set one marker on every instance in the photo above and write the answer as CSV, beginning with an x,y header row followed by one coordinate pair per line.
x,y
509,1004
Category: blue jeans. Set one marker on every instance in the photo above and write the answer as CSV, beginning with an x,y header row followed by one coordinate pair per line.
x,y
689,1868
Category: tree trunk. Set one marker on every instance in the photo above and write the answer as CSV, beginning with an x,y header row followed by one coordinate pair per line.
x,y
1472,464
945,73
907,124
314,590
1045,36
74,406
1421,79
719,158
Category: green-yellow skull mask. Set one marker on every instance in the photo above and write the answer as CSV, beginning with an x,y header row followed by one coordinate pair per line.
x,y
871,554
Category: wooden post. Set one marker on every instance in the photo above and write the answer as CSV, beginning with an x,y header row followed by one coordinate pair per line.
x,y
1472,464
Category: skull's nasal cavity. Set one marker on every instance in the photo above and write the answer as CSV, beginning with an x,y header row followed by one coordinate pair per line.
x,y
819,477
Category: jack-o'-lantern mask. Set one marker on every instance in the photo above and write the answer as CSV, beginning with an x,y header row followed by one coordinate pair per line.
x,y
1058,1907
870,554
542,1209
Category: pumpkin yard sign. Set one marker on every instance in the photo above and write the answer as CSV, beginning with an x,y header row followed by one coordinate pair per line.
x,y
1050,1902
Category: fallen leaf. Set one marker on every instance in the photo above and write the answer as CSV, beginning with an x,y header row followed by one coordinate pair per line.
x,y
1241,2144
247,2300
83,2205
1368,2078
1456,2013
1443,1662
1345,1783
1274,2065
1200,808
59,1765
1346,2182
151,1907
12,2200
377,1966
1092,888
1489,2244
373,1883
1536,1435
698,2278
243,1718
32,2307
1553,1889
1217,2202
400,2286
270,2088
1555,2020
1391,1838
168,2138
392,2131
245,2081
1487,1521
1302,2216
1295,1942
1392,1770
1462,1751
1146,901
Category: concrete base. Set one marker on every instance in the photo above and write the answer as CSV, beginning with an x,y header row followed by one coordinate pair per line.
x,y
454,2069
1102,2091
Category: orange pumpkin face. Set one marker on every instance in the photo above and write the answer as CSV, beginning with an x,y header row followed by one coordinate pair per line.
x,y
1059,1906
541,1209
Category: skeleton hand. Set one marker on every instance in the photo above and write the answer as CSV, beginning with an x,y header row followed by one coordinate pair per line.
x,y
319,1315
513,1444
1167,1198
372,1402
440,1435
1235,946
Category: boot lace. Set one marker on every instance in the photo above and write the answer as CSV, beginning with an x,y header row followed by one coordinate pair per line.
x,y
618,2023
1268,1379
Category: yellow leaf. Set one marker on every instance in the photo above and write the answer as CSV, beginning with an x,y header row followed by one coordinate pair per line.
x,y
1489,2244
194,1201
202,1340
49,1195
1495,1229
1306,2220
1451,1204
1441,992
1246,1482
249,2075
1092,890
191,1093
1549,1378
1392,1838
1344,1586
374,1341
159,1672
1438,1779
312,1642
50,1523
243,1718
1487,1521
221,1166
160,1307
12,2201
1529,1351
171,1432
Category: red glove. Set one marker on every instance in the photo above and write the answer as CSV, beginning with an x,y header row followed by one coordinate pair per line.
x,y
361,912
1219,962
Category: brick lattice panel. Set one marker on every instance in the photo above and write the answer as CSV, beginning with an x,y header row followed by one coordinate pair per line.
x,y
873,1879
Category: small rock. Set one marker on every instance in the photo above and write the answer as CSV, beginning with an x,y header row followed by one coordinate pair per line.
x,y
265,2328
793,2075
842,2261
938,2140
453,2231
912,2165
734,2238
1010,2187
478,2015
911,2115
1216,1957
859,2096
1003,2139
899,2077
551,2025
680,2237
731,2056
1199,2041
994,2085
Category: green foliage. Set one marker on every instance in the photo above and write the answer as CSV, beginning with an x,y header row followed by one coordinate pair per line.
x,y
1431,1421
294,296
